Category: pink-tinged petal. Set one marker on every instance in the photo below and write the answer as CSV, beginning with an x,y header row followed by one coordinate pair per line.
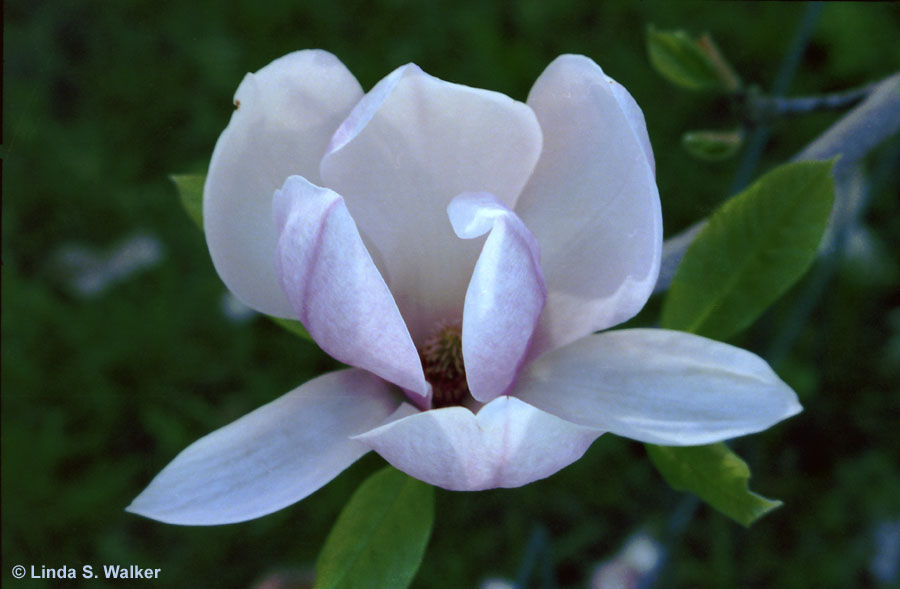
x,y
504,298
284,117
507,444
592,202
659,386
272,457
411,145
336,290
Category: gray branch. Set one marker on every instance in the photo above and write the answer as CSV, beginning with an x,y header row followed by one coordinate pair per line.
x,y
854,135
763,109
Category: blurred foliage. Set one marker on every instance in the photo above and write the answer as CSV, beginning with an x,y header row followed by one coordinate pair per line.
x,y
104,100
712,146
190,191
691,63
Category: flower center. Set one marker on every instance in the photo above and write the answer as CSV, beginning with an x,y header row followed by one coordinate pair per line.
x,y
442,361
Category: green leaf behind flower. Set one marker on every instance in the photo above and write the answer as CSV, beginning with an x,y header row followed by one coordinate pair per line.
x,y
294,327
694,64
712,146
380,537
754,248
190,192
714,473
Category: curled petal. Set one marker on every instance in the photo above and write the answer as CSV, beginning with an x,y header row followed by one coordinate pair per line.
x,y
504,298
272,457
659,386
411,145
285,115
592,202
335,288
508,443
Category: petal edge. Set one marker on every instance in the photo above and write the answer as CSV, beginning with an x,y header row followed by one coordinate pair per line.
x,y
335,289
509,443
285,115
592,202
272,457
504,298
659,386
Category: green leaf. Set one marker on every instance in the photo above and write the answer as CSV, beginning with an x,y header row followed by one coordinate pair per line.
x,y
190,191
755,247
294,327
380,537
712,146
694,64
714,473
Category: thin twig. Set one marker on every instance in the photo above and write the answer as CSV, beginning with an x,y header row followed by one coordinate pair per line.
x,y
852,137
771,107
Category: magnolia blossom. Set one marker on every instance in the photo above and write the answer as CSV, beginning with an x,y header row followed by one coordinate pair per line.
x,y
459,250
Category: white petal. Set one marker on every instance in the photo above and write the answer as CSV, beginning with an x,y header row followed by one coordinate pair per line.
x,y
335,288
592,202
504,298
508,444
272,457
659,386
285,115
635,117
411,145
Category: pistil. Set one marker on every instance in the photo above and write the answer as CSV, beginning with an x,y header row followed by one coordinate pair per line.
x,y
442,361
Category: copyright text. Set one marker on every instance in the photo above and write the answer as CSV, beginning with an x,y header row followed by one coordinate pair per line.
x,y
88,571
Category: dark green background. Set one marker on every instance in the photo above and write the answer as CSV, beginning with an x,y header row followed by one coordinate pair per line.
x,y
103,99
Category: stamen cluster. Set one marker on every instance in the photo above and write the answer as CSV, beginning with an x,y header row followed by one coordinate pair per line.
x,y
442,361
